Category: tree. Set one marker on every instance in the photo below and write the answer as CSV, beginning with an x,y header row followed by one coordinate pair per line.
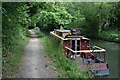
x,y
50,16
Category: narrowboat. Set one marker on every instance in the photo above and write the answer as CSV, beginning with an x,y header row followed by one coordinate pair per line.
x,y
75,45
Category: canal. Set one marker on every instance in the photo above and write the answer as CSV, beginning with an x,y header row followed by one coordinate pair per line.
x,y
111,56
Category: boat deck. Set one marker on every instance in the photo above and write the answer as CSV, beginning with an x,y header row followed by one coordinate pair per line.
x,y
95,66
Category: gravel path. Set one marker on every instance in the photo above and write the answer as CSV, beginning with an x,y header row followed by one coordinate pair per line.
x,y
35,64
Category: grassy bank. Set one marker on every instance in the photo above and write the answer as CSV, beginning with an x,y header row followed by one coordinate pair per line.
x,y
110,35
12,58
66,68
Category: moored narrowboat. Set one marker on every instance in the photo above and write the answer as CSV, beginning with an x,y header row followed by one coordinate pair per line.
x,y
75,45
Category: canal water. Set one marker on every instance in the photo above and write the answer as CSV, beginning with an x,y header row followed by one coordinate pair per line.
x,y
111,56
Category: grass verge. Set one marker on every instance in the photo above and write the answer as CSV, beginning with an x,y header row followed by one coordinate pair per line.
x,y
66,67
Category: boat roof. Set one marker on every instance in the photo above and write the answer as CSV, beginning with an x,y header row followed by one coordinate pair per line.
x,y
78,37
63,30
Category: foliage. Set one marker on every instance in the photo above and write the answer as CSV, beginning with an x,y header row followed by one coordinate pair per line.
x,y
114,16
14,22
94,18
52,16
87,18
111,35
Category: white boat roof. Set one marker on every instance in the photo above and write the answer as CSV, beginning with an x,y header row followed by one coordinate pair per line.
x,y
63,30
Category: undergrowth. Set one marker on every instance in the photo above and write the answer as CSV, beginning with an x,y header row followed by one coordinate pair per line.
x,y
12,51
110,35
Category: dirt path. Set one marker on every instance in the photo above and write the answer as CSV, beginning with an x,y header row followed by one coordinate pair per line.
x,y
35,64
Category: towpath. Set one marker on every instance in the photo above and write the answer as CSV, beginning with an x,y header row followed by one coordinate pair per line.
x,y
35,63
